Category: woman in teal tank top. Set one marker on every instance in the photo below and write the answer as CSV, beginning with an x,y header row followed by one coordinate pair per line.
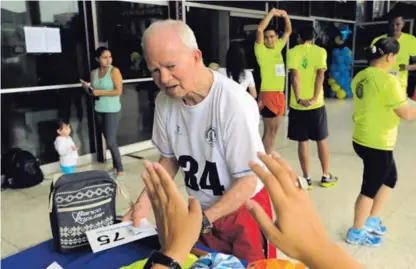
x,y
107,84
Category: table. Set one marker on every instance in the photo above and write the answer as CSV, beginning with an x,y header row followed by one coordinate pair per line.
x,y
42,255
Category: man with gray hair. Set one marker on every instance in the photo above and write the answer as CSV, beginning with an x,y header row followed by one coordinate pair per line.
x,y
207,125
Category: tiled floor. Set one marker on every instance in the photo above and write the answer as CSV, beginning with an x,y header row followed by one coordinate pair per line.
x,y
25,220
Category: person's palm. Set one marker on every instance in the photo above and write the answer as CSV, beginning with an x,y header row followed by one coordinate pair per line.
x,y
298,228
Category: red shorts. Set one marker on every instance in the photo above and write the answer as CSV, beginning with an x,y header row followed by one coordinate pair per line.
x,y
273,102
238,234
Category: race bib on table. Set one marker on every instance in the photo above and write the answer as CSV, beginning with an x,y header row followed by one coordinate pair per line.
x,y
279,70
118,234
394,72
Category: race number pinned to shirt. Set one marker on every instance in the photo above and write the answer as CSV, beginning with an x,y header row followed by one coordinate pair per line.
x,y
118,234
394,72
279,70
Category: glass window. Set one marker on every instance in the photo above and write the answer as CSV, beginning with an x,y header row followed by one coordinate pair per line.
x,y
137,109
211,28
121,26
300,8
257,5
334,9
22,69
28,121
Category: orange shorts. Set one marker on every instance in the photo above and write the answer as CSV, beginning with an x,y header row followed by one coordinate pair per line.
x,y
239,234
272,104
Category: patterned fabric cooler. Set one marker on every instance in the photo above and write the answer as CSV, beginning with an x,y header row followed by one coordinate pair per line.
x,y
78,203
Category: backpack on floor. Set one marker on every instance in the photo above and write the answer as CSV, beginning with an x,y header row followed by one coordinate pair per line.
x,y
21,169
78,203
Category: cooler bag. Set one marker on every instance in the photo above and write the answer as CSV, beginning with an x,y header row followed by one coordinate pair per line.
x,y
78,203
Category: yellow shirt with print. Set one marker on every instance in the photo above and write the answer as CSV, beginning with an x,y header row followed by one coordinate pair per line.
x,y
306,59
376,95
272,67
407,49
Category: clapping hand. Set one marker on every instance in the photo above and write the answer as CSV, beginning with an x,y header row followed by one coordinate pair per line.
x,y
172,212
298,230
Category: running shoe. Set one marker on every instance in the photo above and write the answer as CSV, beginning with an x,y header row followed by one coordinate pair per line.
x,y
309,180
373,225
328,182
363,238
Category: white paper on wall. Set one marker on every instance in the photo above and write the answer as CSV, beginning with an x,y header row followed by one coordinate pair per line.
x,y
42,40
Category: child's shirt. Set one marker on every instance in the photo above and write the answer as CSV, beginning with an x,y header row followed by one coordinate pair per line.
x,y
68,156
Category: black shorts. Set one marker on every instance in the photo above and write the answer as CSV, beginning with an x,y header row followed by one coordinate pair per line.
x,y
307,125
379,168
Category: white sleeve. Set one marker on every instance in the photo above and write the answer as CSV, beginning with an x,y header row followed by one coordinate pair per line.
x,y
250,79
159,134
242,137
63,147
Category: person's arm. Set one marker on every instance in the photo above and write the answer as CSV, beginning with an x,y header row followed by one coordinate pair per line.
x,y
253,92
252,85
306,240
263,25
320,74
406,112
412,66
171,166
295,79
141,209
118,85
242,118
242,190
288,27
331,256
319,82
396,99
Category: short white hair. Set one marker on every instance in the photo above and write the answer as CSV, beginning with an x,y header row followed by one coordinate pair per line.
x,y
185,32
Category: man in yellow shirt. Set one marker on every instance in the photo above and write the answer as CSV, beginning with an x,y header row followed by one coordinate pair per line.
x,y
268,50
307,116
407,50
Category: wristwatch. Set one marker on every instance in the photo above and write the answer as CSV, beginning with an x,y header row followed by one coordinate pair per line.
x,y
159,258
206,224
298,101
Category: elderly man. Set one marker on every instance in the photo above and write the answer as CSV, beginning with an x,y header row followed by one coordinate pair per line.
x,y
207,125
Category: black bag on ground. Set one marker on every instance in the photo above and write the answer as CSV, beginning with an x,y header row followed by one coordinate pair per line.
x,y
21,169
78,203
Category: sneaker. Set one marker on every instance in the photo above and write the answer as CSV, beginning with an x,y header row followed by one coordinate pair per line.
x,y
363,238
328,182
373,225
309,180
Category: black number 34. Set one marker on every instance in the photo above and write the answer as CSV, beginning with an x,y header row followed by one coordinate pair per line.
x,y
210,179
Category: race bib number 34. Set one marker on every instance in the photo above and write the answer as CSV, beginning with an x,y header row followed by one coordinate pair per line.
x,y
118,234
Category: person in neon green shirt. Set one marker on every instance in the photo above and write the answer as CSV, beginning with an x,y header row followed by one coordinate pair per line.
x,y
379,104
268,50
407,50
307,116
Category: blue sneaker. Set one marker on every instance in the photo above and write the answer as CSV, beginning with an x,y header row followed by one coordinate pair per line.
x,y
373,225
363,238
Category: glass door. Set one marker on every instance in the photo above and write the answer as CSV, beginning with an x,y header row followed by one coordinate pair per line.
x,y
119,25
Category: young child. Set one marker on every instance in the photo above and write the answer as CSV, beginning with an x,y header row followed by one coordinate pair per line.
x,y
64,145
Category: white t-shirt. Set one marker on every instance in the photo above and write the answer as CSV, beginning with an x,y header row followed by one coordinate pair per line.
x,y
67,156
245,82
212,141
